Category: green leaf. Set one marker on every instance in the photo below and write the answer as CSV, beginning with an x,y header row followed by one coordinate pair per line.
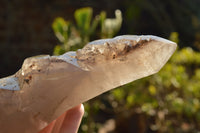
x,y
152,90
58,50
61,29
83,18
174,37
118,94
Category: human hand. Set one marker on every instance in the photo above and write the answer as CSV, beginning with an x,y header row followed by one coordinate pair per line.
x,y
68,122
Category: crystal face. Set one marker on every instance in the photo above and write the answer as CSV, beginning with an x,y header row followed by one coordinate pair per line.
x,y
46,86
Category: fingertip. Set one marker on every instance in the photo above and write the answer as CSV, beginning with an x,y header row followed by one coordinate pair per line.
x,y
78,110
82,109
72,119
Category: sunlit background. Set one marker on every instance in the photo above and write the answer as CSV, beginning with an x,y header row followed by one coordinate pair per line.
x,y
166,102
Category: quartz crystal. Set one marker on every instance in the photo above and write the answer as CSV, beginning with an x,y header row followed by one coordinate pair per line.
x,y
46,86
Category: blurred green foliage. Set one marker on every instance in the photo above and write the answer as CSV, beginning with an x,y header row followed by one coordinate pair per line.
x,y
168,101
109,27
73,36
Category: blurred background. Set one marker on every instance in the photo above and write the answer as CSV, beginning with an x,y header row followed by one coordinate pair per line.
x,y
166,102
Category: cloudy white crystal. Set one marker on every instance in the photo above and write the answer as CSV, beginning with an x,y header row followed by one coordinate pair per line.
x,y
47,86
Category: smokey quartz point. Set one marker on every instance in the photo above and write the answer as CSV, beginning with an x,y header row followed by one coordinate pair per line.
x,y
46,86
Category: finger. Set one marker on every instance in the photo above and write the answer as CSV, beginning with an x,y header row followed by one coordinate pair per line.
x,y
49,128
67,122
72,119
58,123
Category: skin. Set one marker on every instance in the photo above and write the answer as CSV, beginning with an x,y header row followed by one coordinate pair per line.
x,y
68,122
